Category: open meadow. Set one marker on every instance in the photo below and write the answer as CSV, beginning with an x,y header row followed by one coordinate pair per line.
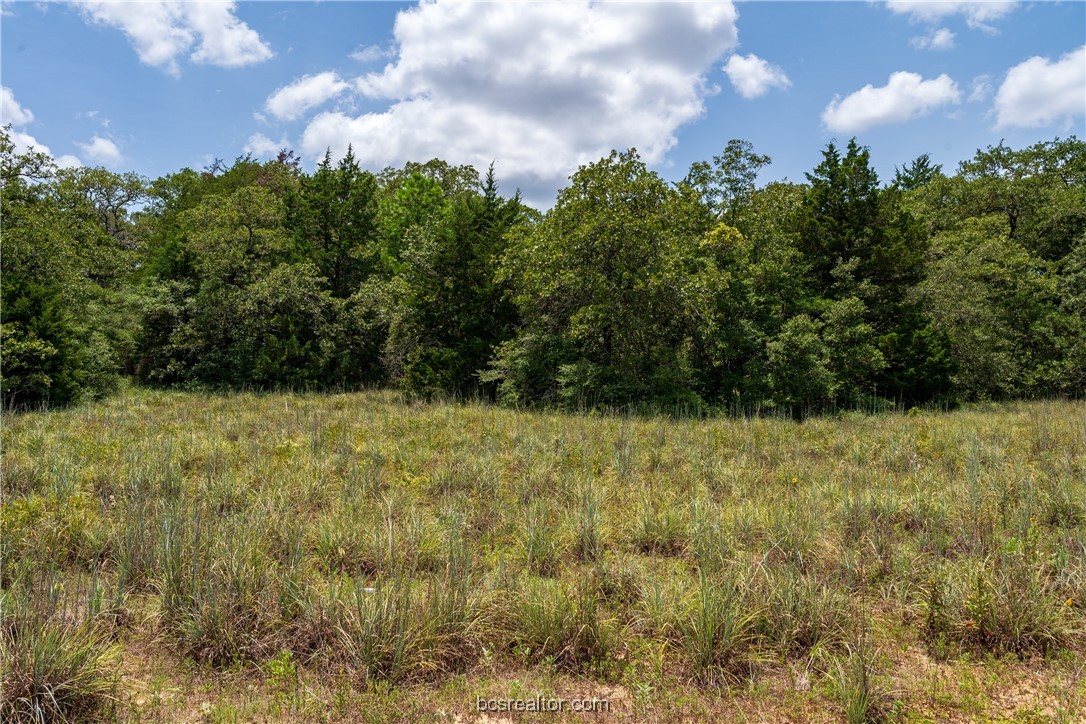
x,y
172,556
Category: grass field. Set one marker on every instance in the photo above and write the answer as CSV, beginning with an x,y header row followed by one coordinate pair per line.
x,y
182,557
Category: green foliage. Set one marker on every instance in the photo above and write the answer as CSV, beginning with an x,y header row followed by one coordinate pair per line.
x,y
598,285
448,311
863,242
267,287
334,220
916,173
44,362
798,365
1005,235
998,306
727,184
1038,193
629,293
68,260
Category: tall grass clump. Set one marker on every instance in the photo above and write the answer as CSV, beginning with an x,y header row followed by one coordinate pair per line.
x,y
587,524
395,633
716,633
378,632
539,540
57,661
711,538
1002,605
660,527
219,597
858,687
566,627
801,615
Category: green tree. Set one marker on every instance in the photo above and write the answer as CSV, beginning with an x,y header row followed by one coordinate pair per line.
x,y
918,172
1039,192
999,307
727,183
333,216
863,241
283,336
68,255
449,312
1072,294
798,367
43,354
598,283
417,202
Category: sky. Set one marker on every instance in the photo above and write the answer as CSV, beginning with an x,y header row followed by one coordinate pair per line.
x,y
537,88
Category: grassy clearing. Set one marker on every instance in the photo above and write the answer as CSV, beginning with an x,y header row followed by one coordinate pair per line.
x,y
178,556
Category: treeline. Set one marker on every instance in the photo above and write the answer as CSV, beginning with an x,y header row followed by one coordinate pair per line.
x,y
713,292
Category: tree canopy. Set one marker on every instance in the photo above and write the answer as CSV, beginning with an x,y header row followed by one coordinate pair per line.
x,y
714,292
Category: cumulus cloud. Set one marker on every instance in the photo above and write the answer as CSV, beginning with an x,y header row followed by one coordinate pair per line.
x,y
905,96
939,39
67,160
102,150
162,30
263,147
539,87
23,142
10,110
977,13
290,102
1038,92
13,114
751,76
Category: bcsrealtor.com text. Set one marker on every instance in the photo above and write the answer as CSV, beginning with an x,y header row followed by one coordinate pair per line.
x,y
544,704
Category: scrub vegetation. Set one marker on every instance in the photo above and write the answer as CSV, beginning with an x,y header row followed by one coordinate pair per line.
x,y
183,556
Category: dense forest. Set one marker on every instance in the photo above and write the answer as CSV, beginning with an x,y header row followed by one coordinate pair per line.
x,y
714,292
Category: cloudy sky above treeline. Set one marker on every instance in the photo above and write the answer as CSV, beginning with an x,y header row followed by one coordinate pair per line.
x,y
538,88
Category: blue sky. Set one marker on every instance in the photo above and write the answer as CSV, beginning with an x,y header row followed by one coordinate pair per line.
x,y
155,86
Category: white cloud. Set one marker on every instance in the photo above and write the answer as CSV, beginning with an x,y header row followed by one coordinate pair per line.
x,y
978,13
11,111
263,147
905,96
371,53
981,89
939,39
538,87
225,41
1038,91
102,150
292,101
751,76
161,30
13,114
23,142
68,161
